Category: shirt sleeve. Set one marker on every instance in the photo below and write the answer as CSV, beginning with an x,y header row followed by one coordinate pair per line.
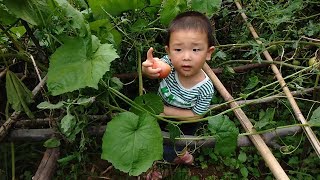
x,y
204,99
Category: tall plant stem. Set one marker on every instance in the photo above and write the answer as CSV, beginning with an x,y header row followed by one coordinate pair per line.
x,y
140,73
315,85
13,164
137,106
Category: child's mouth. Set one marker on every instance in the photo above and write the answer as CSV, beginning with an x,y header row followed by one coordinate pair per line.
x,y
186,68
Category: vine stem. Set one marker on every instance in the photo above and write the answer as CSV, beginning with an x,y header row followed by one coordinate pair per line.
x,y
140,73
137,106
268,44
12,162
315,85
266,62
273,129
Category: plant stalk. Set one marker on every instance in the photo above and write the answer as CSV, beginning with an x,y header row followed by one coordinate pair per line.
x,y
13,167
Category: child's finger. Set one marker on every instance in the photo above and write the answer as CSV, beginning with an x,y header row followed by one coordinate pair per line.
x,y
147,63
154,71
149,54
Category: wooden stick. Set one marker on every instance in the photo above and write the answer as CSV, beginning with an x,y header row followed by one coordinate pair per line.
x,y
269,98
257,140
36,135
13,118
48,164
310,134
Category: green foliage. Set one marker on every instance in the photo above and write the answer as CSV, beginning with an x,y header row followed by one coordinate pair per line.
x,y
6,17
150,102
36,12
131,143
52,143
101,9
170,9
209,7
225,133
19,95
47,105
265,118
315,118
71,69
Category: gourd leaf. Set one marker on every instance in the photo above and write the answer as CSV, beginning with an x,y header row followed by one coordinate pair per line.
x,y
6,17
225,133
75,18
52,143
68,123
47,105
150,102
34,12
113,7
170,9
105,31
253,82
70,68
132,143
265,118
206,6
315,118
18,95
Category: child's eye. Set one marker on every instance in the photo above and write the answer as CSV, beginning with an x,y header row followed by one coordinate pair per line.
x,y
177,50
196,50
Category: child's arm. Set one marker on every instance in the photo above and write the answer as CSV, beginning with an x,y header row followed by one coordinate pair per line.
x,y
185,114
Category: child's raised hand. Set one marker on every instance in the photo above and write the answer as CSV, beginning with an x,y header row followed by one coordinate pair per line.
x,y
154,67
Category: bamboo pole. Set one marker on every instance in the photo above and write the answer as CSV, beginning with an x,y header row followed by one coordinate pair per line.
x,y
48,164
257,140
310,134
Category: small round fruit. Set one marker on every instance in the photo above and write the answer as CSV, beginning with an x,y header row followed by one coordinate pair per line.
x,y
273,48
165,68
312,61
296,62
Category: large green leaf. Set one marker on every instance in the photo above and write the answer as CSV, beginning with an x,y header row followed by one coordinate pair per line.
x,y
132,143
34,12
315,118
6,17
265,118
150,102
225,133
170,9
106,32
206,6
114,7
75,18
70,68
18,95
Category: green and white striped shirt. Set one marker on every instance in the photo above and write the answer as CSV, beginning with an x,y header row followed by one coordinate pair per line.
x,y
197,98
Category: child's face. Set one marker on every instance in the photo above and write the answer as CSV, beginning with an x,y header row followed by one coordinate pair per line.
x,y
188,51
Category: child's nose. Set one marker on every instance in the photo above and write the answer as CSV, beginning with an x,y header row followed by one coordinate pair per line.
x,y
186,55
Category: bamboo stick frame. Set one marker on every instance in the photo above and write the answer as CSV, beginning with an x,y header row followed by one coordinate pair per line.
x,y
310,134
256,139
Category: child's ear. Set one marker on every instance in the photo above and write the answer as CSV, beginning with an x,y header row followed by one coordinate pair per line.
x,y
167,49
209,53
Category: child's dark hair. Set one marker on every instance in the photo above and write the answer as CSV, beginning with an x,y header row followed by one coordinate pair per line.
x,y
191,20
